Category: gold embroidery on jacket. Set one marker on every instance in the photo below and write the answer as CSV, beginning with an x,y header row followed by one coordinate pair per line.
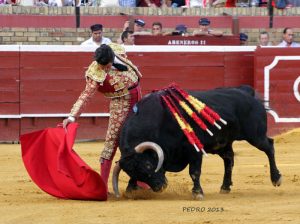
x,y
84,98
95,73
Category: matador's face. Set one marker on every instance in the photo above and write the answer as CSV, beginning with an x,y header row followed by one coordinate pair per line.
x,y
106,68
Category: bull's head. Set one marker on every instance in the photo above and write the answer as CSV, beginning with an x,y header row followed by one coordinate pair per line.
x,y
142,166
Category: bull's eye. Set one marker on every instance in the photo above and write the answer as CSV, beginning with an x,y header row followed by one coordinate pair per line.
x,y
148,165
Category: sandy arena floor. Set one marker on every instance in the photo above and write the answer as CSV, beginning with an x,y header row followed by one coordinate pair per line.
x,y
253,198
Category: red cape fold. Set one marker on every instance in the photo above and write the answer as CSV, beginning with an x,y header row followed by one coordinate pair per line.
x,y
57,169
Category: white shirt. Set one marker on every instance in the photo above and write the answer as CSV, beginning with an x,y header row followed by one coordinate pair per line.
x,y
196,3
90,42
284,44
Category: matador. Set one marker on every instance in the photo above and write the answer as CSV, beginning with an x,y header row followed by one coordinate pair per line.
x,y
118,79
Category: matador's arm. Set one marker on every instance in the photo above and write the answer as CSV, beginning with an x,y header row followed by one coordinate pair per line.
x,y
84,98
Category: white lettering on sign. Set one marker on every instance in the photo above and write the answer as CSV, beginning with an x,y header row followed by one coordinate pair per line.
x,y
187,42
296,88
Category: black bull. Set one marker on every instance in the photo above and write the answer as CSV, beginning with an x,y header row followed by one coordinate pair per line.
x,y
152,127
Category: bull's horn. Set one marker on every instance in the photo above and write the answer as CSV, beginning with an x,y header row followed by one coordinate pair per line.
x,y
151,145
115,179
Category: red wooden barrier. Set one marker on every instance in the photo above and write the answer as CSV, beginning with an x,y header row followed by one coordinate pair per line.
x,y
190,40
51,80
9,94
277,78
52,77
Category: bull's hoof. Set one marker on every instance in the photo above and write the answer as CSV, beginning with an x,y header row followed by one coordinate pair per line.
x,y
198,196
224,191
278,182
225,188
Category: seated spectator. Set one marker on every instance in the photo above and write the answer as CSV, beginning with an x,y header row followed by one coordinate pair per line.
x,y
41,2
175,3
127,37
180,30
288,38
26,2
55,3
127,3
157,29
108,3
138,27
264,39
294,3
243,39
195,3
222,3
152,3
204,29
9,2
97,37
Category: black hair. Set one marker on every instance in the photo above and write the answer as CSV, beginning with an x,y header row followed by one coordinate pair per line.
x,y
157,24
264,32
286,29
125,35
96,27
104,55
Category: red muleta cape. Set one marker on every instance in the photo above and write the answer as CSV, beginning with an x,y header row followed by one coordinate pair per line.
x,y
56,168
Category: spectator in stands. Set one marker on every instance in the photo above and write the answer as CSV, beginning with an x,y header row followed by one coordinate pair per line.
x,y
195,3
9,2
97,36
127,3
288,38
55,3
293,3
264,39
138,27
181,30
127,37
157,29
243,39
175,3
69,2
205,30
152,3
224,3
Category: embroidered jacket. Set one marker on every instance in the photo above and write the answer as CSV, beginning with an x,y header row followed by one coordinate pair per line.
x,y
112,84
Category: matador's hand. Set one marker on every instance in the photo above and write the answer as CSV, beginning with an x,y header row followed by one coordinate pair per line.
x,y
66,122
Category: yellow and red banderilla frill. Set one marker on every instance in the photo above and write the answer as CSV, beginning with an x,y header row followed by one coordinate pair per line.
x,y
185,127
174,93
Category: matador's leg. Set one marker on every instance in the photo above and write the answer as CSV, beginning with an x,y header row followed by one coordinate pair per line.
x,y
119,109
